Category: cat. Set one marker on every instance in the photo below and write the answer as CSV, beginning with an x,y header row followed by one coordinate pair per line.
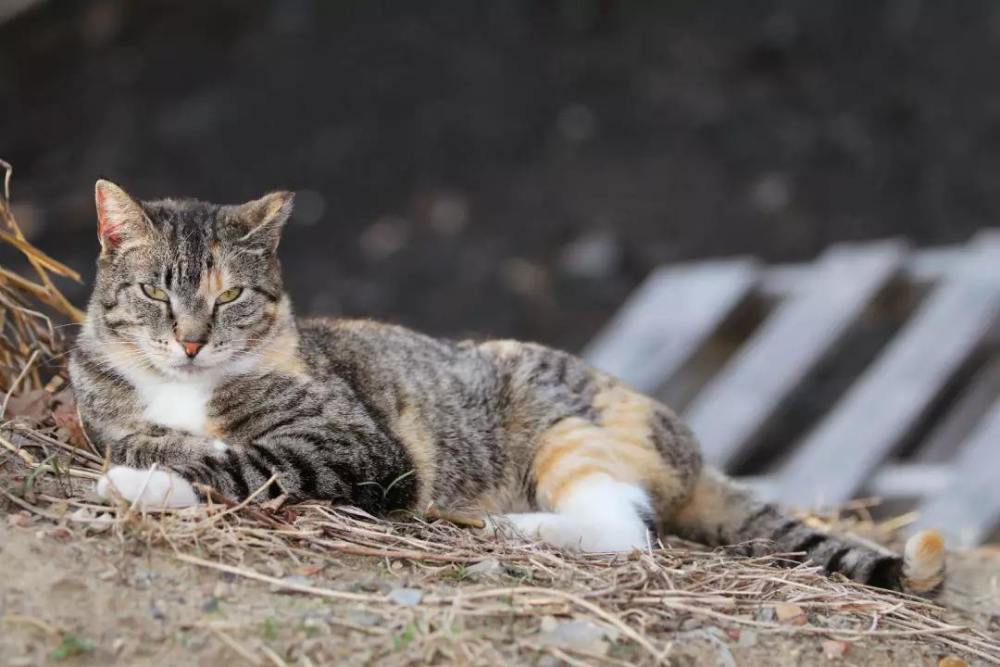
x,y
191,369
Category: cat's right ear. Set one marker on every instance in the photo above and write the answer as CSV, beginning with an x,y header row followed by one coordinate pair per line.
x,y
120,218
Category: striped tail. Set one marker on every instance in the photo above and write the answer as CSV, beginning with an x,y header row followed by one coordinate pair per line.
x,y
721,513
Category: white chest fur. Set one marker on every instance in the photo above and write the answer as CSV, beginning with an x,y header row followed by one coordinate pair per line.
x,y
178,404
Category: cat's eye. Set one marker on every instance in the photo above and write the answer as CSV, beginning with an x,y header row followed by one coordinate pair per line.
x,y
230,294
155,293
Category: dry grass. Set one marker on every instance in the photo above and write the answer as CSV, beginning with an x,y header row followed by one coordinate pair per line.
x,y
632,609
645,600
28,339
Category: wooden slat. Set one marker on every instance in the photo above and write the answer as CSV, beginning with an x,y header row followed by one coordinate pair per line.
x,y
880,408
926,265
975,401
968,511
891,482
919,481
668,318
733,409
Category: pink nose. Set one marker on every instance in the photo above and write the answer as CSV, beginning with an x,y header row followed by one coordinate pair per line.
x,y
191,347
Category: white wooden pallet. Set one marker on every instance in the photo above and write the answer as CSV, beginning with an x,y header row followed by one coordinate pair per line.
x,y
919,423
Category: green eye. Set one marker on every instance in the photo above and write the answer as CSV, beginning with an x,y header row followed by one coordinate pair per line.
x,y
229,295
155,293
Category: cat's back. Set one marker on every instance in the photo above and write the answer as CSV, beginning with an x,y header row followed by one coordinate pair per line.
x,y
389,357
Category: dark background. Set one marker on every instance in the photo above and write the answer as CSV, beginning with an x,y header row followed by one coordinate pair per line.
x,y
511,168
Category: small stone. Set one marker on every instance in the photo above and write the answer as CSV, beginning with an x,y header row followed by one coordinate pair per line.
x,y
834,649
61,534
580,634
407,597
20,519
733,633
490,568
156,611
549,623
364,618
952,661
790,613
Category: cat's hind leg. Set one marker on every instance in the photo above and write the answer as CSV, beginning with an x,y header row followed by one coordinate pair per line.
x,y
593,483
605,483
598,513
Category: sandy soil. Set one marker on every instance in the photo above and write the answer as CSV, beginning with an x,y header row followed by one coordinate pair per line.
x,y
98,599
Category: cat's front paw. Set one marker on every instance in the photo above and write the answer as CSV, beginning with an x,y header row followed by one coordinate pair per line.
x,y
148,488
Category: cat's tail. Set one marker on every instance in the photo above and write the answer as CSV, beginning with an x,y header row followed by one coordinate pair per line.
x,y
720,512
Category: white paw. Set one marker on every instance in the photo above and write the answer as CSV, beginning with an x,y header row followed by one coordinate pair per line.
x,y
148,488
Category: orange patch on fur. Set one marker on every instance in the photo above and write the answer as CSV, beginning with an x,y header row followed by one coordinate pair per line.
x,y
565,437
282,355
419,443
213,429
569,478
620,445
214,280
930,543
923,562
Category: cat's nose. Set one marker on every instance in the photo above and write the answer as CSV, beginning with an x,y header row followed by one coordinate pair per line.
x,y
192,347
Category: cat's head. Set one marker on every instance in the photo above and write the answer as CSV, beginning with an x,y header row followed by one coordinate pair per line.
x,y
187,287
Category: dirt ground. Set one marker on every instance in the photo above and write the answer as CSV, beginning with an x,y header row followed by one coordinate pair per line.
x,y
82,598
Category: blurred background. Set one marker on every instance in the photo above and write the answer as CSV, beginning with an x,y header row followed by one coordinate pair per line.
x,y
509,168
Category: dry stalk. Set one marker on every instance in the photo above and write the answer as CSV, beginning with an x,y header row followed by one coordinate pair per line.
x,y
648,598
27,306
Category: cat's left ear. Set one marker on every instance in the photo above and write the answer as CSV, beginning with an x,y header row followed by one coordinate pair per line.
x,y
264,218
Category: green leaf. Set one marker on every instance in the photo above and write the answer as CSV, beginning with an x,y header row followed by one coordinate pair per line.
x,y
70,646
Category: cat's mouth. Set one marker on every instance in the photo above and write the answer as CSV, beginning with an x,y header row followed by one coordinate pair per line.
x,y
207,362
188,367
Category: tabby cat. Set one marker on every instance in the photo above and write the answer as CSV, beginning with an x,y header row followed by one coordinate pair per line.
x,y
191,368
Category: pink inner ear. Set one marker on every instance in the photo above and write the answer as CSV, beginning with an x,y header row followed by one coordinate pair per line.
x,y
108,232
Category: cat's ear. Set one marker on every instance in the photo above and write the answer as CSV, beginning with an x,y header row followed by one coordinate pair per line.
x,y
263,219
120,218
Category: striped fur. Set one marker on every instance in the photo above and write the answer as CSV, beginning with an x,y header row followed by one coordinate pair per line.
x,y
383,417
